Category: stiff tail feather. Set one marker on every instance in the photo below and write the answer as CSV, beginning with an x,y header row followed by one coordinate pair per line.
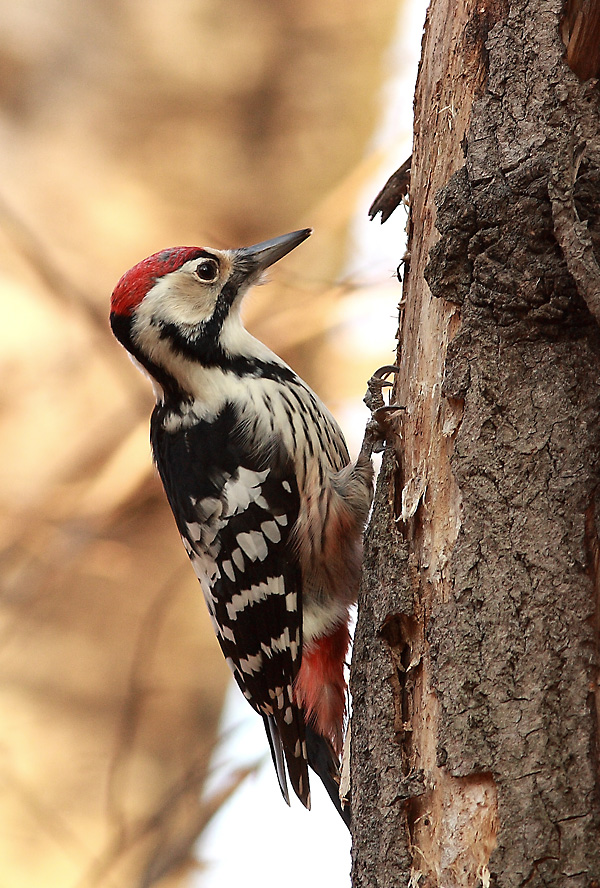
x,y
287,743
325,763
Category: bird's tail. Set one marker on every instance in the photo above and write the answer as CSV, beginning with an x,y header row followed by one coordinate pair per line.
x,y
325,763
288,748
320,755
313,736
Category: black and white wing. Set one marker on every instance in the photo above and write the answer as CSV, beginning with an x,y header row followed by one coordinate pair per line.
x,y
235,513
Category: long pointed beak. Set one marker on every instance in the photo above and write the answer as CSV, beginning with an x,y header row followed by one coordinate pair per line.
x,y
257,258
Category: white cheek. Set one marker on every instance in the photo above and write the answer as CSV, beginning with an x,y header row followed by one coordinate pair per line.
x,y
236,340
178,298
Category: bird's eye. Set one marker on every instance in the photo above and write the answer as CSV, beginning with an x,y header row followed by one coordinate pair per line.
x,y
208,270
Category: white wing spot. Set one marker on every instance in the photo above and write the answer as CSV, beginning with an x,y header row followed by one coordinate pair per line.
x,y
282,643
281,519
226,632
288,716
271,531
238,559
258,592
206,570
253,544
228,570
194,531
209,534
243,489
291,601
252,664
210,508
205,530
286,486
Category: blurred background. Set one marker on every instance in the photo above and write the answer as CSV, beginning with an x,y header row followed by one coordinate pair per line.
x,y
128,126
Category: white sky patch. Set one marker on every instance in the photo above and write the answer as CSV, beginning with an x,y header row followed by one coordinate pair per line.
x,y
375,248
256,828
367,318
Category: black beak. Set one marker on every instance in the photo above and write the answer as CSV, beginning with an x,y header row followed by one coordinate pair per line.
x,y
255,259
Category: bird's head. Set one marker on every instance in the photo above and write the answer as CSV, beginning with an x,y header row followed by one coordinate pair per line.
x,y
183,303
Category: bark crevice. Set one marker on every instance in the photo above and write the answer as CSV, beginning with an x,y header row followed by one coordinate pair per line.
x,y
498,467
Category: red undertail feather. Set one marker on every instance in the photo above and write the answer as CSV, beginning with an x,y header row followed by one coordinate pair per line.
x,y
321,687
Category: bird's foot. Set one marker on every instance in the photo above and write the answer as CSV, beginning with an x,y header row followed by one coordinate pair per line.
x,y
377,428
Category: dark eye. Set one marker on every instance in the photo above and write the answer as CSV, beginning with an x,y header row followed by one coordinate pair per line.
x,y
208,270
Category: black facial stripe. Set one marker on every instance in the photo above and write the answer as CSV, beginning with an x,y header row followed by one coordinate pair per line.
x,y
206,350
121,326
205,347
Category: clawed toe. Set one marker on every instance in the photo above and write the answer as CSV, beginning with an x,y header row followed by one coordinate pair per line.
x,y
374,397
382,414
377,428
380,425
384,371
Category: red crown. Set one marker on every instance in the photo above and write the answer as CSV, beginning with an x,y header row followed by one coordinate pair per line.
x,y
136,282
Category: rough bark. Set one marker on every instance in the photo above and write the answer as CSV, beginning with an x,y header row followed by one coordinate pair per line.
x,y
475,676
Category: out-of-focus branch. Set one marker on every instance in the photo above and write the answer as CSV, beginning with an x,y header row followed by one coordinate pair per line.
x,y
63,291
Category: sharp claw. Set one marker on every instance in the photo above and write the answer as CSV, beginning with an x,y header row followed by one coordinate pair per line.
x,y
384,372
382,414
377,427
373,398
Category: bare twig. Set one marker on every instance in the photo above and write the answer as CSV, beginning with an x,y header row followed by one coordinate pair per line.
x,y
63,291
145,648
392,193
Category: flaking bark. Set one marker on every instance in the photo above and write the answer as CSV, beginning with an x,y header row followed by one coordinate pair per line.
x,y
475,678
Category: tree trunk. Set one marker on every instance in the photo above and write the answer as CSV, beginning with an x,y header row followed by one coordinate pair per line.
x,y
475,672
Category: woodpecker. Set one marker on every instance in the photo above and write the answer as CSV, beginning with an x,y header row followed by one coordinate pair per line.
x,y
269,506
